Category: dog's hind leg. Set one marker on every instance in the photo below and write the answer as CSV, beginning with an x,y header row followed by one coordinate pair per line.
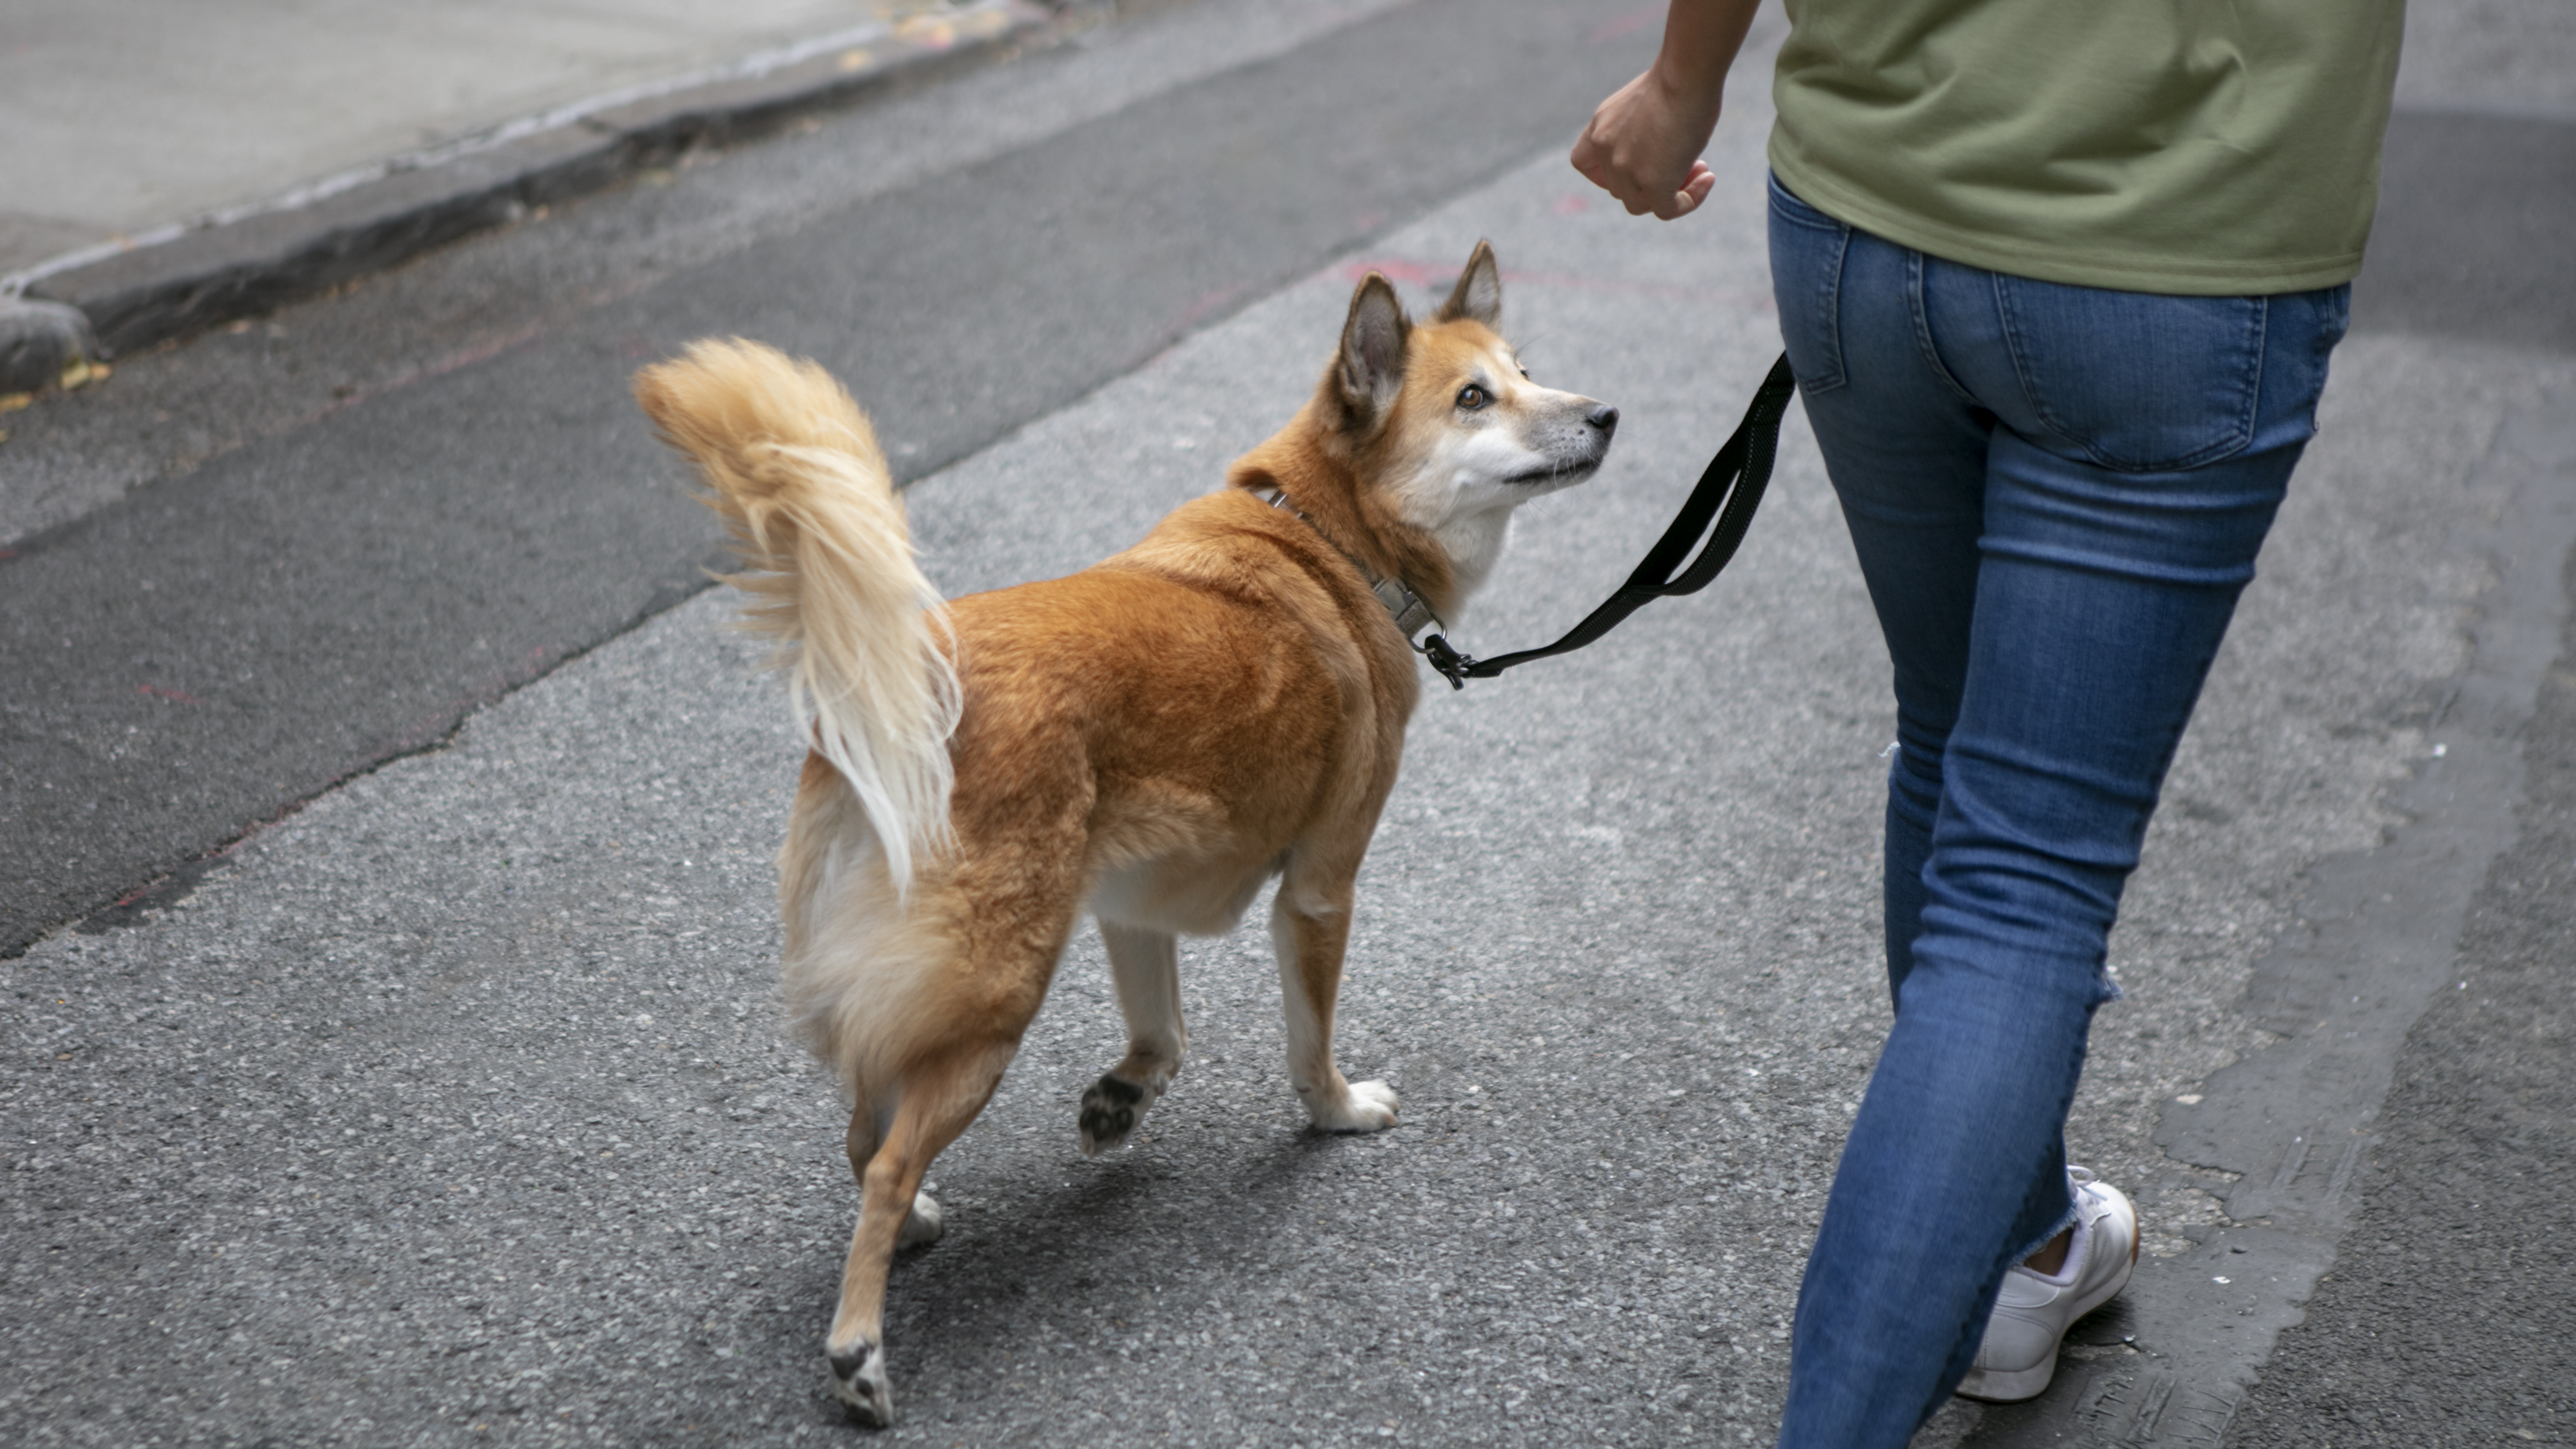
x,y
1310,923
1146,967
997,923
939,1097
921,1225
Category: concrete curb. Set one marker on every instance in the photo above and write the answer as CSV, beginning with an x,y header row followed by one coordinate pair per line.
x,y
247,264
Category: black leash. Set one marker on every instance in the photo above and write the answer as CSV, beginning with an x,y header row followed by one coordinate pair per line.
x,y
1737,475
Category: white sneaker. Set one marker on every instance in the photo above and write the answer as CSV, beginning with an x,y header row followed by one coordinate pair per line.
x,y
2033,1311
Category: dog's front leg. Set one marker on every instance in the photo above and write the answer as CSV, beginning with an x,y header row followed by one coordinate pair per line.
x,y
1310,928
1146,967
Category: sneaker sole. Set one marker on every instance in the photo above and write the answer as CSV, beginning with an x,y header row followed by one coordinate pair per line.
x,y
1987,1386
1992,1386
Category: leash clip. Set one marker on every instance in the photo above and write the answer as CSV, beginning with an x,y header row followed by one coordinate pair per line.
x,y
1453,666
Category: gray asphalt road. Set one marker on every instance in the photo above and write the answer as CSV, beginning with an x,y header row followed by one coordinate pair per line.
x,y
453,1106
196,656
2470,242
2450,1314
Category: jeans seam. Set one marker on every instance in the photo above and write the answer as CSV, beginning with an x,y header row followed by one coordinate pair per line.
x,y
1827,293
1832,312
1920,311
2009,321
2322,341
2262,340
1799,203
1800,222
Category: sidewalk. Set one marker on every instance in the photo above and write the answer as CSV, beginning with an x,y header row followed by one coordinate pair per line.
x,y
259,150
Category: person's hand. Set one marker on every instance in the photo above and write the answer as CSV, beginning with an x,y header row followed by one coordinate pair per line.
x,y
1643,146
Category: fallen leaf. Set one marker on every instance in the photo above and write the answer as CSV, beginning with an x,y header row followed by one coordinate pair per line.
x,y
76,375
928,31
11,402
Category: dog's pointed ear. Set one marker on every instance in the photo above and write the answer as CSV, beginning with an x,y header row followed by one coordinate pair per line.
x,y
1478,297
1371,367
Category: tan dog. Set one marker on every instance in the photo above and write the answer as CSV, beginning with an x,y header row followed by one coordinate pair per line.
x,y
1155,737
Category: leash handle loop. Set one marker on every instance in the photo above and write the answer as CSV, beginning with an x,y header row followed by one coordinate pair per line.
x,y
1736,478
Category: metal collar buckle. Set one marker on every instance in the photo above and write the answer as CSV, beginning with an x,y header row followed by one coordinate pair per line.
x,y
1411,612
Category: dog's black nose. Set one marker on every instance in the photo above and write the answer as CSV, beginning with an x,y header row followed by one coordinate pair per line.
x,y
1604,417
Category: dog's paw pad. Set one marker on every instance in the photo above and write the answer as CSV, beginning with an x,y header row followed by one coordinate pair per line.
x,y
859,1382
1111,1108
923,1225
1364,1107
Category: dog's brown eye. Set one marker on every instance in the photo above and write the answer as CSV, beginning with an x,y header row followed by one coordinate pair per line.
x,y
1472,397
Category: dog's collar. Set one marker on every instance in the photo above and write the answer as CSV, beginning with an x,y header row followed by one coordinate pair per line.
x,y
1411,611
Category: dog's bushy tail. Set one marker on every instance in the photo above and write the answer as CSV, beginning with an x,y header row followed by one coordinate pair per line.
x,y
793,468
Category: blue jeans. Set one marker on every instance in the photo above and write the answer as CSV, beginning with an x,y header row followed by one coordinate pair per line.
x,y
2057,494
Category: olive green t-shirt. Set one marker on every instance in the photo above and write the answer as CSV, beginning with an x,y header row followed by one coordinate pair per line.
x,y
2203,147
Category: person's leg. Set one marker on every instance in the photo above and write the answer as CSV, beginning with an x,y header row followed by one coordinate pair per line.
x,y
2121,516
1907,450
2144,446
1907,453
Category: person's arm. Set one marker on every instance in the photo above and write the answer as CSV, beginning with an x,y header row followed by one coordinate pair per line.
x,y
1644,142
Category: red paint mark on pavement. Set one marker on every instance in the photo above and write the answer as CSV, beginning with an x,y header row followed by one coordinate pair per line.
x,y
428,730
590,301
138,893
1207,305
159,691
481,352
1628,24
1396,269
1441,274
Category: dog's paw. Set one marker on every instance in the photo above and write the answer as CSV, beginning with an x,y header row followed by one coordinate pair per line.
x,y
1362,1107
859,1382
1111,1108
923,1225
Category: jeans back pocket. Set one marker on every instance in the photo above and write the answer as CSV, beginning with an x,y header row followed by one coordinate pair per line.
x,y
2137,382
1807,249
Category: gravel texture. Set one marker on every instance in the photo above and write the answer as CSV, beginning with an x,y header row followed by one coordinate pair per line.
x,y
454,1108
2447,1318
